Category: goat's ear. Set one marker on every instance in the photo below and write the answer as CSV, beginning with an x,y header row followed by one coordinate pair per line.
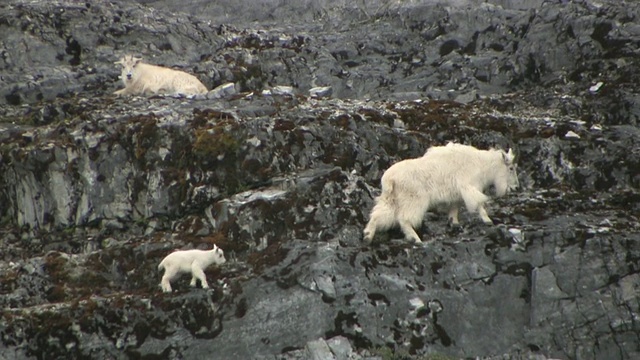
x,y
118,62
136,60
508,156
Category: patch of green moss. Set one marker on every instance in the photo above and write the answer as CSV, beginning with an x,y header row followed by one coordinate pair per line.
x,y
8,281
7,147
56,293
250,77
52,319
55,266
534,212
273,255
428,114
144,135
205,116
70,280
376,116
17,120
6,220
283,125
436,356
211,144
222,241
387,353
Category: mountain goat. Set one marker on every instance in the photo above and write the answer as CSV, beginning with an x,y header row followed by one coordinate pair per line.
x,y
445,176
189,261
141,78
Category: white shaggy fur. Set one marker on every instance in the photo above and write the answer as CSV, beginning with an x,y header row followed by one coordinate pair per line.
x,y
189,261
445,176
141,78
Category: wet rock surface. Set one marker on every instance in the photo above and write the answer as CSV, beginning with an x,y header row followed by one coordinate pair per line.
x,y
279,166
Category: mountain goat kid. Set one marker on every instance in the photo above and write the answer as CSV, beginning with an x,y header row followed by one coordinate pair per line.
x,y
141,78
446,176
189,261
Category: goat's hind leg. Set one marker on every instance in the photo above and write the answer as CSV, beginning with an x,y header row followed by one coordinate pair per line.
x,y
409,218
370,230
409,232
382,218
453,215
165,283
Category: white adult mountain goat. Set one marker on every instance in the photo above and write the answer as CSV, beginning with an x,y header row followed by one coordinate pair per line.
x,y
189,261
445,176
141,78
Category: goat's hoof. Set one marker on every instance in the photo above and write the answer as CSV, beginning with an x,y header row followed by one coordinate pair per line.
x,y
455,229
487,221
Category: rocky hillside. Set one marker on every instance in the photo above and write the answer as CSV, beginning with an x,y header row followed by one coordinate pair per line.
x,y
279,165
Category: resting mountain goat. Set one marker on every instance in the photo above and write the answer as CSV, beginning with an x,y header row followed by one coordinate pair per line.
x,y
189,261
141,78
446,176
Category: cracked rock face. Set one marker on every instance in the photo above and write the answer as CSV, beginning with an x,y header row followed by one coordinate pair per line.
x,y
279,164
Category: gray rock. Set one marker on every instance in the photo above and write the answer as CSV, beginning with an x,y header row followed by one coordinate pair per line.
x,y
341,348
320,92
279,90
319,350
222,91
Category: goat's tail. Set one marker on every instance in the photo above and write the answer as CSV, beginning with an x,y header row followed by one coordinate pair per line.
x,y
161,266
383,215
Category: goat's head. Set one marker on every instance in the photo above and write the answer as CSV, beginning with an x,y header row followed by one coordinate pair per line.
x,y
219,255
129,63
512,173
